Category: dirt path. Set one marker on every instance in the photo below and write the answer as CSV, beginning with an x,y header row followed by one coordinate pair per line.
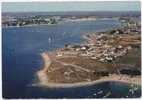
x,y
43,78
75,66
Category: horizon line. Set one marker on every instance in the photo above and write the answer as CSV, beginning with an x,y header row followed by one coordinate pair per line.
x,y
68,11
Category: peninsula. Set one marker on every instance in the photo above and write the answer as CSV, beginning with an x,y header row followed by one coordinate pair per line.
x,y
113,55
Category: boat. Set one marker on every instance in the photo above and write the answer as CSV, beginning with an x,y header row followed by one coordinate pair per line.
x,y
49,39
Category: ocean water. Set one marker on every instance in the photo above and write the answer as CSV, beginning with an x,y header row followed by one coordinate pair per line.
x,y
21,48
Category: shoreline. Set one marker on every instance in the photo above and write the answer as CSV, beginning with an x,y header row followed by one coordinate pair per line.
x,y
84,19
43,78
32,25
62,71
68,20
113,78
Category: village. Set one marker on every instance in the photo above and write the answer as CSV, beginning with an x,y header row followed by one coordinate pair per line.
x,y
106,46
104,54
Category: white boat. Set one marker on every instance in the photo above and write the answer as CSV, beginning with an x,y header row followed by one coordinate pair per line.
x,y
49,39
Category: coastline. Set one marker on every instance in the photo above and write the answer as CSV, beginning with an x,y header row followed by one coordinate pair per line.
x,y
43,78
32,25
83,19
68,20
100,50
112,78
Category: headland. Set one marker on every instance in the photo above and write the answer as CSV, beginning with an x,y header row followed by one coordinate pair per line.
x,y
113,55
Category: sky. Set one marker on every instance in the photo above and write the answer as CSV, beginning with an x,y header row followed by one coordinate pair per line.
x,y
70,6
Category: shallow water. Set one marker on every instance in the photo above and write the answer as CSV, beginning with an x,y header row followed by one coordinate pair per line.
x,y
21,48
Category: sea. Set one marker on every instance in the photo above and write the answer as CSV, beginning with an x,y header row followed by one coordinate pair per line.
x,y
21,49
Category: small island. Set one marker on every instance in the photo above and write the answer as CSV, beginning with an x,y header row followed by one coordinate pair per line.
x,y
113,55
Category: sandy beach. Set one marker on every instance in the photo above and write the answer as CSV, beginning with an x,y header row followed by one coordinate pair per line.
x,y
113,78
43,78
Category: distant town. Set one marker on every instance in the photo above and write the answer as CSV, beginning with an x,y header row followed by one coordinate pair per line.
x,y
31,20
40,20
